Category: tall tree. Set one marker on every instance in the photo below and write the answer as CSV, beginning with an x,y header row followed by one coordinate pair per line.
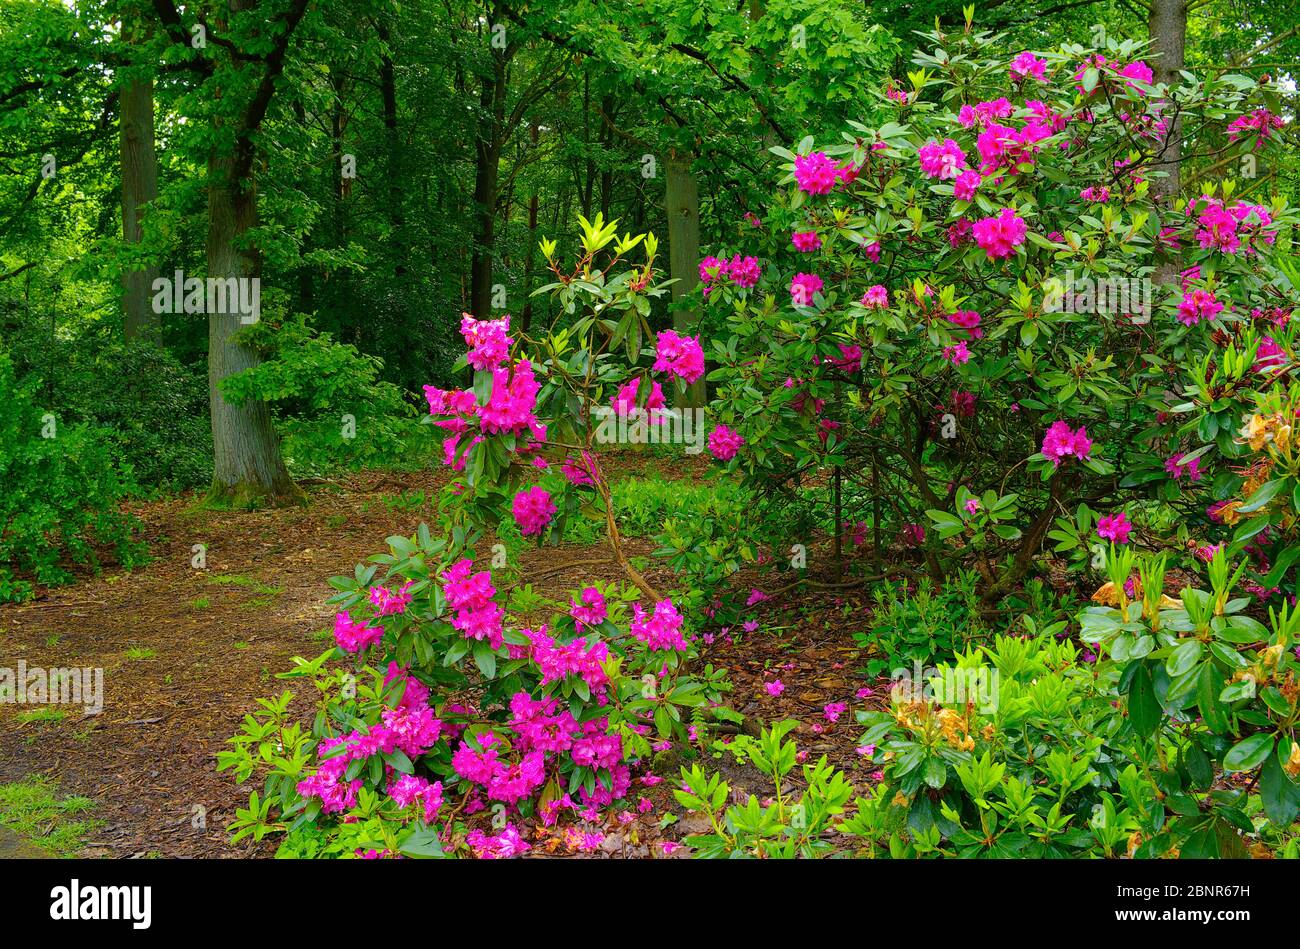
x,y
254,39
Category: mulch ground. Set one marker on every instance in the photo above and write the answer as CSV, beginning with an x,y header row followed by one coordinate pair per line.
x,y
187,652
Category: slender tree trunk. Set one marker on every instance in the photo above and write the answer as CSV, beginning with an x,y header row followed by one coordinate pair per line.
x,y
607,174
247,467
588,179
487,172
682,205
486,177
139,187
529,259
396,216
1167,27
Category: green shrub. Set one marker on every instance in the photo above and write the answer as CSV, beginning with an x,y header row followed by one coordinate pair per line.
x,y
331,409
61,490
1177,738
154,410
915,626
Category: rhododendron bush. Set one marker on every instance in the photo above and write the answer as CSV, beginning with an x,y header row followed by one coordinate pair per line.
x,y
459,722
961,313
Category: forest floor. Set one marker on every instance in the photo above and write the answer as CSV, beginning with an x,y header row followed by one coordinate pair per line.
x,y
187,652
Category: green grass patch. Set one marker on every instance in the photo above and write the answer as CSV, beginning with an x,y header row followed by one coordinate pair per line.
x,y
44,714
34,809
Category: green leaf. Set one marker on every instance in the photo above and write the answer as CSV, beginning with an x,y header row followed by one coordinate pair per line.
x,y
1249,753
1143,706
1281,797
1183,658
1266,493
1207,699
485,659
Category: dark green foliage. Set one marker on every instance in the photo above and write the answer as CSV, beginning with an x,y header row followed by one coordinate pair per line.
x,y
331,408
61,488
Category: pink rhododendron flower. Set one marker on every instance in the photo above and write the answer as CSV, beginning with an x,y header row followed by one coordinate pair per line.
x,y
1004,149
589,609
972,506
410,789
744,271
802,288
1114,527
625,401
1269,356
999,236
533,510
740,271
662,630
1208,551
1261,121
387,602
850,359
1046,116
963,402
982,113
470,595
943,160
1177,469
1198,305
488,342
833,711
415,694
506,844
511,402
814,173
876,297
966,184
581,471
724,443
1139,71
1061,441
968,320
805,241
556,660
775,687
680,356
847,173
353,636
1026,65
957,354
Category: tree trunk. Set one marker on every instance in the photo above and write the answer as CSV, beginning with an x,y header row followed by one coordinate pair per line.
x,y
487,170
531,256
486,176
247,467
682,205
396,218
139,187
1167,27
